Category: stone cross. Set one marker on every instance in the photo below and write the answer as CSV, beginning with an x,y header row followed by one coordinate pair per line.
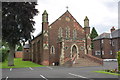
x,y
67,7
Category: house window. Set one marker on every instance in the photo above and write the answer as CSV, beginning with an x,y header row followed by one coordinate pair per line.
x,y
113,43
74,34
67,32
102,41
110,41
52,49
111,52
103,53
60,32
97,53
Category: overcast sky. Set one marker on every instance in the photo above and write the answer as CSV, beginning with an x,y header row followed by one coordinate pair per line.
x,y
102,14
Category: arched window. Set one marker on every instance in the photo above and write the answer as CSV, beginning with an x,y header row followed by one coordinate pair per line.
x,y
52,49
74,34
67,32
60,32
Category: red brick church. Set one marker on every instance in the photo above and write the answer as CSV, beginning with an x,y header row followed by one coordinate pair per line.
x,y
64,42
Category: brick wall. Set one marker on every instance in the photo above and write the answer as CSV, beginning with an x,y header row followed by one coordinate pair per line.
x,y
19,54
106,47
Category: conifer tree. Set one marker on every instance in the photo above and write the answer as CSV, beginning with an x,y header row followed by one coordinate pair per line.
x,y
92,36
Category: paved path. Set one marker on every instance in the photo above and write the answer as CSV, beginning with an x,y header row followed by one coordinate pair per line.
x,y
52,72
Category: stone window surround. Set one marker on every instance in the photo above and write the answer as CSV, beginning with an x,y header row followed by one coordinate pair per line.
x,y
52,50
67,32
60,32
74,34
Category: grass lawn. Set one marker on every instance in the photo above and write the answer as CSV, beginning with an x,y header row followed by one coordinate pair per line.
x,y
106,72
20,64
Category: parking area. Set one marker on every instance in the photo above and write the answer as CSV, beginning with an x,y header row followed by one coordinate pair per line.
x,y
57,72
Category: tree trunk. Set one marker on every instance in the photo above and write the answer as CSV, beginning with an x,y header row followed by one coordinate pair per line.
x,y
11,55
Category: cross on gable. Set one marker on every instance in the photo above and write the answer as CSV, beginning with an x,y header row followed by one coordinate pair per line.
x,y
67,7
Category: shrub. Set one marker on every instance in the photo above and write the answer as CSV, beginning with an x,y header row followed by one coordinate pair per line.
x,y
118,58
107,70
3,54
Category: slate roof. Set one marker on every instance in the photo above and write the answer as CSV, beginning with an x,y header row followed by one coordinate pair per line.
x,y
26,46
103,35
114,34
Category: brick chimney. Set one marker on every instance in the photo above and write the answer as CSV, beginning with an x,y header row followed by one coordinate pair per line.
x,y
112,29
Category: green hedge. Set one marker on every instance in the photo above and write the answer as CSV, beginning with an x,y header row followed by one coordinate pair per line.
x,y
118,57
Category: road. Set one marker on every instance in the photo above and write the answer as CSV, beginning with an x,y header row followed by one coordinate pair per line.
x,y
60,73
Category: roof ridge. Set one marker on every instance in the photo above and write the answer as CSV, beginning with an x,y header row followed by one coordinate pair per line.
x,y
62,15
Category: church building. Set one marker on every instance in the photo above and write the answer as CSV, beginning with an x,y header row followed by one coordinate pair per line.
x,y
64,42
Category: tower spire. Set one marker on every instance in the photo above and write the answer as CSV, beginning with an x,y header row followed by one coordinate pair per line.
x,y
86,18
86,22
45,16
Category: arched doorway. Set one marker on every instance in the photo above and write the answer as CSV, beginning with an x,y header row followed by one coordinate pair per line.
x,y
74,50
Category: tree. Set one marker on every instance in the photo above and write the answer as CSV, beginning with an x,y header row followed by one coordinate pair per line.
x,y
93,35
17,24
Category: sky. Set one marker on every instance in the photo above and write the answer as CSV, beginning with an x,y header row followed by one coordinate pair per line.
x,y
102,14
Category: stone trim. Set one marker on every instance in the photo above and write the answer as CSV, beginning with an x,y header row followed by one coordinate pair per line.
x,y
77,50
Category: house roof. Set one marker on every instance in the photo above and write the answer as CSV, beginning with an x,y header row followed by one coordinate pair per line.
x,y
114,34
26,46
103,35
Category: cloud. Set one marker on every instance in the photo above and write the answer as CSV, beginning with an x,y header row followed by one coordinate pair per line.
x,y
102,13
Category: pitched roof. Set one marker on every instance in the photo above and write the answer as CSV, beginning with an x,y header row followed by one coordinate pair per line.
x,y
114,34
67,12
26,46
103,35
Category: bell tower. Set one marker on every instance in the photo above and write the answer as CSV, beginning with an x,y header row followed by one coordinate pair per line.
x,y
45,41
86,25
87,36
